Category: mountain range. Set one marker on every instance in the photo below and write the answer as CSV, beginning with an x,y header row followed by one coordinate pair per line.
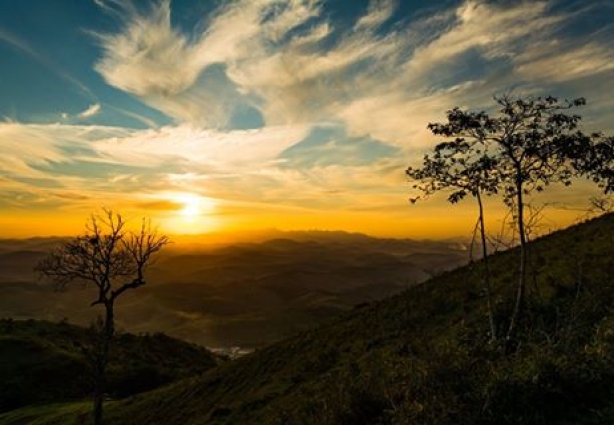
x,y
244,294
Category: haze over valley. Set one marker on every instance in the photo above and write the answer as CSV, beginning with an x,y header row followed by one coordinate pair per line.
x,y
245,294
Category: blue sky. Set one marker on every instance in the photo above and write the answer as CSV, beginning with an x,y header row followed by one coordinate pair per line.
x,y
268,112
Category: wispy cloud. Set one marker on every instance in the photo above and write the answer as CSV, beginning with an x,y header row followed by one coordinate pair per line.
x,y
271,55
379,12
23,47
140,118
162,65
587,60
149,57
55,165
117,161
236,151
90,111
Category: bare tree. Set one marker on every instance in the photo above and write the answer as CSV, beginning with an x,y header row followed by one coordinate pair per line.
x,y
113,260
601,205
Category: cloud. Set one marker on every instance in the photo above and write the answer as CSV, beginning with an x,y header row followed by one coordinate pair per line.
x,y
76,166
147,121
494,30
23,47
214,151
149,57
163,66
114,163
90,111
159,205
287,60
379,12
442,64
401,120
28,147
34,158
33,148
578,62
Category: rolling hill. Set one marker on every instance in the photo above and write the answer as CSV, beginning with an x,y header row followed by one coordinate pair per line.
x,y
424,356
42,362
246,294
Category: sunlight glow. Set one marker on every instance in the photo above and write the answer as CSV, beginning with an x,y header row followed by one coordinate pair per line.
x,y
192,206
193,213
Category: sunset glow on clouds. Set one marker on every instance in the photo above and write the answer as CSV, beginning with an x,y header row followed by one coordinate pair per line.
x,y
267,113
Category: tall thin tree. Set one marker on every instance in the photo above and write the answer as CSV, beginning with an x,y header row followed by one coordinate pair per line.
x,y
113,259
464,167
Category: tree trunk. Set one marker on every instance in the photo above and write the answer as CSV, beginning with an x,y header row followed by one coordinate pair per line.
x,y
101,359
491,309
109,323
520,290
98,398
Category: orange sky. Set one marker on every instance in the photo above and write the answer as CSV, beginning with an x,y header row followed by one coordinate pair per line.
x,y
433,218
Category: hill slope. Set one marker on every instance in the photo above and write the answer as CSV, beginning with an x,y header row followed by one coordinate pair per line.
x,y
423,357
46,362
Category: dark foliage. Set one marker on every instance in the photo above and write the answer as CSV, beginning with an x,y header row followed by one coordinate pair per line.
x,y
530,143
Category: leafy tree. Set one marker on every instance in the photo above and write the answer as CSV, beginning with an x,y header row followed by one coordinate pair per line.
x,y
464,167
112,259
595,159
533,142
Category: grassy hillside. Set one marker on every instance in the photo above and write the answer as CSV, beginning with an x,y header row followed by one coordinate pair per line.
x,y
46,362
424,357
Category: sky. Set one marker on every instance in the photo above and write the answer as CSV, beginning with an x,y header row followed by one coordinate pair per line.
x,y
238,115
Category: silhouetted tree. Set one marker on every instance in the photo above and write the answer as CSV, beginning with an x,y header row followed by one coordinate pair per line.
x,y
464,167
534,142
595,159
112,259
601,205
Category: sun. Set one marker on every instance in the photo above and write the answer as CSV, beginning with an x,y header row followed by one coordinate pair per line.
x,y
192,206
194,213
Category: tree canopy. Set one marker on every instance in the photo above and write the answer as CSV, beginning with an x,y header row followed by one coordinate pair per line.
x,y
526,144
